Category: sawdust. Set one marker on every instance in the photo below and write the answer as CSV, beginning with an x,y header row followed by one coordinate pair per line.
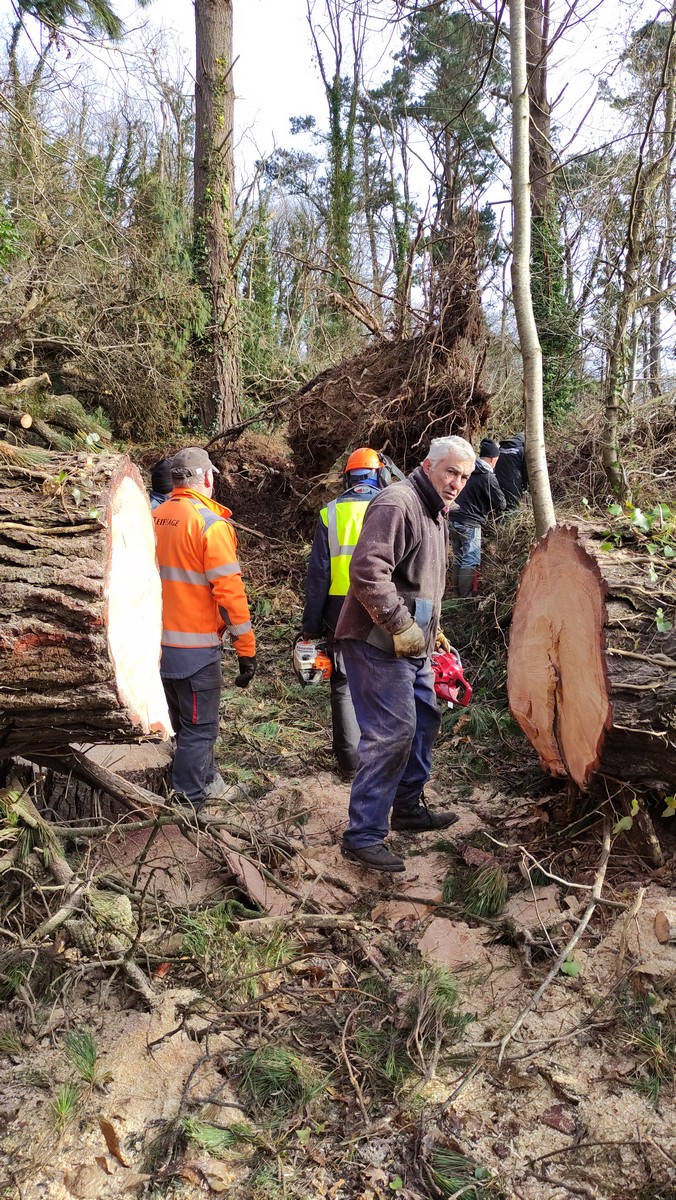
x,y
144,1090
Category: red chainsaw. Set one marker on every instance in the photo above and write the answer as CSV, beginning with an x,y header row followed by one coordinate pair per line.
x,y
449,682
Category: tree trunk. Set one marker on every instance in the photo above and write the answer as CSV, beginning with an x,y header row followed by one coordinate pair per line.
x,y
531,354
215,207
80,603
591,678
648,177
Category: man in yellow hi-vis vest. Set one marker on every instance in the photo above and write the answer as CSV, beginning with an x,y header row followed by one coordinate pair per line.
x,y
328,579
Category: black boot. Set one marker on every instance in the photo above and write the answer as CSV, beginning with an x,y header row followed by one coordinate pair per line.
x,y
420,819
377,857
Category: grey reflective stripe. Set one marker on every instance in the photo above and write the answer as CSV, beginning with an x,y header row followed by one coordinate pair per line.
x,y
335,548
210,518
334,545
172,637
237,630
178,575
231,568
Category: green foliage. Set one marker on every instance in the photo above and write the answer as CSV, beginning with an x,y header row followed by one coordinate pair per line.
x,y
277,1082
82,1053
555,317
224,953
456,1175
65,1104
216,1139
481,893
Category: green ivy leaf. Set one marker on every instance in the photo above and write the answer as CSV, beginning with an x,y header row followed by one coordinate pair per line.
x,y
606,546
396,1184
571,968
623,824
669,812
669,552
615,510
661,622
303,1136
640,520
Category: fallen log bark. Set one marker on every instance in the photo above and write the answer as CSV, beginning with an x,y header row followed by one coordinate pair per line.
x,y
592,659
80,604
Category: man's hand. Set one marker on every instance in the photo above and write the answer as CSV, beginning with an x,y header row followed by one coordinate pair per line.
x,y
409,642
442,642
247,670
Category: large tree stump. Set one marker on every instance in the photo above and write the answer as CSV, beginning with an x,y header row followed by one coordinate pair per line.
x,y
591,678
80,603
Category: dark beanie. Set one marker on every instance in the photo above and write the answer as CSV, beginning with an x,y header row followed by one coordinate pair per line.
x,y
160,478
488,448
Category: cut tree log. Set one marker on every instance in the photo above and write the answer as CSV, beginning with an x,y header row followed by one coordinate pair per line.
x,y
80,603
592,659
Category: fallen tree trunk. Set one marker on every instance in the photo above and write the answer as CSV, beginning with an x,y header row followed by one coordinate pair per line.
x,y
592,659
80,603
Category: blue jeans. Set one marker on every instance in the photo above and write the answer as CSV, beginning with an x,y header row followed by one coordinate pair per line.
x,y
194,710
466,542
399,718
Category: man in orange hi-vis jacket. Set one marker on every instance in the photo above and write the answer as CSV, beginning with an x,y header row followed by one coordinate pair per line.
x,y
203,596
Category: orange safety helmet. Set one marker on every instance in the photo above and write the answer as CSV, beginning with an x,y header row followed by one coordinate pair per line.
x,y
363,459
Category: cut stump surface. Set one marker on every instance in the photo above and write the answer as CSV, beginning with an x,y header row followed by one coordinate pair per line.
x,y
80,603
591,677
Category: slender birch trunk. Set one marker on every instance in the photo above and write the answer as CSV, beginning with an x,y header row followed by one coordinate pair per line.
x,y
531,353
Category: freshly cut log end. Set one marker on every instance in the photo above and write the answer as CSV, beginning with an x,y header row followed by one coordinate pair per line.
x,y
590,679
80,605
134,605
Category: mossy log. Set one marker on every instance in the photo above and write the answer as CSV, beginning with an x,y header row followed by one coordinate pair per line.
x,y
80,603
67,412
592,659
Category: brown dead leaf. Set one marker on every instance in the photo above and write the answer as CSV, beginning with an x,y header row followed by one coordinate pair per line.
x,y
557,1118
103,1164
112,1140
473,857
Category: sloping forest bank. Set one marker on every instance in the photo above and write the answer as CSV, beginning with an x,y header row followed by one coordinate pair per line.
x,y
367,1038
226,1006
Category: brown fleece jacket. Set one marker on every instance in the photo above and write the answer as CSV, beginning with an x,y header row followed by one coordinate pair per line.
x,y
398,569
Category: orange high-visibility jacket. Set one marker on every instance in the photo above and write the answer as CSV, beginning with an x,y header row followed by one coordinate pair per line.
x,y
202,589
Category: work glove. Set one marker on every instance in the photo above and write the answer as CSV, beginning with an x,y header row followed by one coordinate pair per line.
x,y
410,642
442,642
247,670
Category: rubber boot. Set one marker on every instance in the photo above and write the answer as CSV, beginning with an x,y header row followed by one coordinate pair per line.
x,y
466,581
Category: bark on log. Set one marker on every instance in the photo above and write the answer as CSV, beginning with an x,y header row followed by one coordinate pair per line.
x,y
80,604
591,678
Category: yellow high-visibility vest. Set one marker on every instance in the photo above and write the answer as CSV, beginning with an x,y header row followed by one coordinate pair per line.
x,y
344,520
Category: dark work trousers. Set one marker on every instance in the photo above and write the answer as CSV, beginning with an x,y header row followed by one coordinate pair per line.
x,y
194,710
399,719
343,719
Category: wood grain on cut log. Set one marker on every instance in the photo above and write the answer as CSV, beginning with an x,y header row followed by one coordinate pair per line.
x,y
80,603
591,679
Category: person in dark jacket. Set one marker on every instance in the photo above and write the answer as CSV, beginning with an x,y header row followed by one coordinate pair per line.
x,y
160,482
328,579
510,469
388,627
481,499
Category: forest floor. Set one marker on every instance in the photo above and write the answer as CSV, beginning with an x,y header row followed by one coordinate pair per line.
x,y
350,1048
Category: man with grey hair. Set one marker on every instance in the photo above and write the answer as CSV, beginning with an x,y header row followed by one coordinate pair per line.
x,y
388,627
